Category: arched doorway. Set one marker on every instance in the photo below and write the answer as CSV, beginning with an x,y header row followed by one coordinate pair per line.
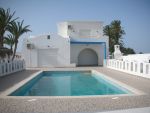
x,y
87,57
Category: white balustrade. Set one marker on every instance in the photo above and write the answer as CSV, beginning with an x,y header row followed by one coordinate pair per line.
x,y
131,67
8,67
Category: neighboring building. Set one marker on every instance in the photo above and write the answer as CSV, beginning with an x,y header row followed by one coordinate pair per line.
x,y
137,58
78,43
145,58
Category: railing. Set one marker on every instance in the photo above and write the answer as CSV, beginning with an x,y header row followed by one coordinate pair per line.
x,y
131,67
8,67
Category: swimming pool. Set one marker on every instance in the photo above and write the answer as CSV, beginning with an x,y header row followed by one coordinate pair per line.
x,y
69,83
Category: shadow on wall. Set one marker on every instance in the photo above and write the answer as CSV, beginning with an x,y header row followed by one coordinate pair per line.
x,y
88,57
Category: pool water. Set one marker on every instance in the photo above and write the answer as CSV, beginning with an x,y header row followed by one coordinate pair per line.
x,y
69,83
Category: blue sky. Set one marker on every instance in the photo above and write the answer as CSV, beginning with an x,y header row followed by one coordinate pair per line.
x,y
43,15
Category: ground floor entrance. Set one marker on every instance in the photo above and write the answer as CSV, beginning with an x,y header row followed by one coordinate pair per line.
x,y
87,54
88,57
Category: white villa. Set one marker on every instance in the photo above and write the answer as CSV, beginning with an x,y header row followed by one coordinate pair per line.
x,y
78,43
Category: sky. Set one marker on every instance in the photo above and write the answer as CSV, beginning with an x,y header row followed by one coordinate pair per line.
x,y
43,16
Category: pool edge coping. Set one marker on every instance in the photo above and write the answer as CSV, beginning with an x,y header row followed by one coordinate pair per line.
x,y
136,92
128,87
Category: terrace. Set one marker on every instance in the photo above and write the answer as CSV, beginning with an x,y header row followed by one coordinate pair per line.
x,y
75,103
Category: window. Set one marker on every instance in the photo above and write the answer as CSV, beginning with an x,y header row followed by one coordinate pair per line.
x,y
48,37
30,46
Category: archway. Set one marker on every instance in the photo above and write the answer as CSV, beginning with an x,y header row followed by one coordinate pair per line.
x,y
88,57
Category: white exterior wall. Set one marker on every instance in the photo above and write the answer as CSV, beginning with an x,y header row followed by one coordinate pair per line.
x,y
81,29
47,46
102,39
63,29
77,48
84,31
56,51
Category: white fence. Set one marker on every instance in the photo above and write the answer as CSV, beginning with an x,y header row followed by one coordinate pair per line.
x,y
135,68
11,67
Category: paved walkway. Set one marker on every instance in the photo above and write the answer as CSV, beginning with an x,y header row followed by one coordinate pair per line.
x,y
75,104
136,110
10,80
